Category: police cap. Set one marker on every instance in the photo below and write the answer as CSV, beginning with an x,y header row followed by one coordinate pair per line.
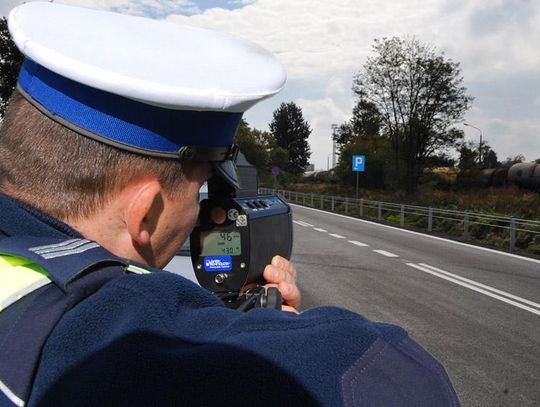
x,y
146,86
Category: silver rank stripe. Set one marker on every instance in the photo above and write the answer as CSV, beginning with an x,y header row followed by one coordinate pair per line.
x,y
67,248
10,395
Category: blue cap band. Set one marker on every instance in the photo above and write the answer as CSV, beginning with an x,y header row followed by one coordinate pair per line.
x,y
122,122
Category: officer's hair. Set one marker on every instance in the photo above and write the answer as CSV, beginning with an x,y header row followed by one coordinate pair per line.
x,y
64,174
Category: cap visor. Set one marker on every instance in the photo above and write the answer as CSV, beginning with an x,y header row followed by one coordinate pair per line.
x,y
227,171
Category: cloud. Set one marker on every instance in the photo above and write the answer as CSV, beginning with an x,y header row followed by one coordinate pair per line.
x,y
323,43
315,38
7,5
321,114
150,8
512,137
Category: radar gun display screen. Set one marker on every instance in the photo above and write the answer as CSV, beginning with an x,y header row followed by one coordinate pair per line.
x,y
221,243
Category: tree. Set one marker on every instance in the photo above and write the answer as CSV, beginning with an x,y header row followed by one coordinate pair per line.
x,y
440,160
469,158
361,136
291,132
519,158
279,157
10,63
489,157
419,95
365,121
378,154
253,144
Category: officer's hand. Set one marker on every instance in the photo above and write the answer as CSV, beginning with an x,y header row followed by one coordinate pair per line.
x,y
282,274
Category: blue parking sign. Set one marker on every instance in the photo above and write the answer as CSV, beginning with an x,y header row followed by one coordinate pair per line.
x,y
359,163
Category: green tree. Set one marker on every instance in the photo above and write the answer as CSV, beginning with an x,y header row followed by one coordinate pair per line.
x,y
419,95
365,121
440,160
253,143
519,158
10,64
489,157
291,132
361,136
279,157
468,156
378,152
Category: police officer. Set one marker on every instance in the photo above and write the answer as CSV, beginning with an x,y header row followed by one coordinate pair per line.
x,y
116,123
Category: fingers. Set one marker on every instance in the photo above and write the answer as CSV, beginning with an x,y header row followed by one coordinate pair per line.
x,y
282,274
287,308
286,265
291,294
280,270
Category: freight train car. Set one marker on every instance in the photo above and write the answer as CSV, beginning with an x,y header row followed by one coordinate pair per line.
x,y
495,177
525,174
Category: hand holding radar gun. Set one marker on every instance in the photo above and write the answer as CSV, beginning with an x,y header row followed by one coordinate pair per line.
x,y
235,238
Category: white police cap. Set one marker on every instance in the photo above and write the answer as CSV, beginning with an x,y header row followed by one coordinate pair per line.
x,y
142,85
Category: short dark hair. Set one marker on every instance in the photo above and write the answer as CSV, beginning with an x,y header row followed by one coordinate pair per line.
x,y
65,174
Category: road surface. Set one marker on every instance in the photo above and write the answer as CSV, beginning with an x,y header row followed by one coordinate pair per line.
x,y
476,310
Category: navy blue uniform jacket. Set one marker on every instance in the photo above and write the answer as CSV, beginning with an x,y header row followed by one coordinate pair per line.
x,y
159,339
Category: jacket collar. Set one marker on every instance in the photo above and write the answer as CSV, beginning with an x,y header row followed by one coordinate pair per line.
x,y
18,218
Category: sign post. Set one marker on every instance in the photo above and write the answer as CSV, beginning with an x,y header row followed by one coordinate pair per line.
x,y
358,166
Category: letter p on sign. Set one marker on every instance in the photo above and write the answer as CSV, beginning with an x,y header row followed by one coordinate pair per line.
x,y
359,163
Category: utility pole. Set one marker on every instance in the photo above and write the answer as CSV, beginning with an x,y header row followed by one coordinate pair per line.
x,y
334,128
479,148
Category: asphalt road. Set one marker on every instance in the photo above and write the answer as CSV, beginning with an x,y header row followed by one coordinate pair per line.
x,y
476,310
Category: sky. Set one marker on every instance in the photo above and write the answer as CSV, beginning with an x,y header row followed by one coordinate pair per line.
x,y
323,43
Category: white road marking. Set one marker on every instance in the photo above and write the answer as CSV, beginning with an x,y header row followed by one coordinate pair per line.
x,y
301,223
358,243
485,249
385,253
337,236
307,224
486,287
475,287
320,230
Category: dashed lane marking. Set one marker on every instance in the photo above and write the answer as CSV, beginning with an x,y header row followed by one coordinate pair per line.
x,y
358,243
385,253
304,224
320,230
337,236
478,287
441,239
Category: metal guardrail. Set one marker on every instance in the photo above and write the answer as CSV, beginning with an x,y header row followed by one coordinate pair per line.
x,y
455,223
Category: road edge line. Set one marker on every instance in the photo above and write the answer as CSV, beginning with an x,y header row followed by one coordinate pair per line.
x,y
516,256
475,288
483,286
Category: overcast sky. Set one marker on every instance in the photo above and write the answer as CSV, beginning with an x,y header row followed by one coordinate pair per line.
x,y
323,43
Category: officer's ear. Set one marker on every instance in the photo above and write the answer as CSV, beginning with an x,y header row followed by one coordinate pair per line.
x,y
144,206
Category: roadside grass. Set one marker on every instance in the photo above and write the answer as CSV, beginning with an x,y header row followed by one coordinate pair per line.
x,y
504,201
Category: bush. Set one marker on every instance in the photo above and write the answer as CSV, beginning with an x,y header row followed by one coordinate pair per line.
x,y
506,201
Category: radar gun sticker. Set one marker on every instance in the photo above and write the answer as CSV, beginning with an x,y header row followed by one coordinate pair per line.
x,y
241,221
